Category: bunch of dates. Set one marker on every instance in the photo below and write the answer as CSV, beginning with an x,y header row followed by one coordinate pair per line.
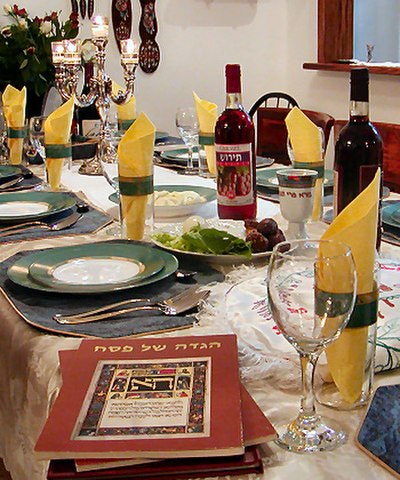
x,y
263,235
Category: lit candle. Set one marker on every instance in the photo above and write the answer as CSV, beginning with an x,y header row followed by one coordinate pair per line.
x,y
100,27
129,52
57,52
72,52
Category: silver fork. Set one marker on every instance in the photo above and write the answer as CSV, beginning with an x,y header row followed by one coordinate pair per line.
x,y
175,305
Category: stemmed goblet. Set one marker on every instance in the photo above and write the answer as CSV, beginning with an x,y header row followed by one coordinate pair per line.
x,y
311,292
188,128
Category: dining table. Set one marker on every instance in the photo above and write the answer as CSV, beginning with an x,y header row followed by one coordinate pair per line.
x,y
30,377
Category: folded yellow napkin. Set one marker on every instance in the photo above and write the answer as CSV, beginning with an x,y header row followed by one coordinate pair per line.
x,y
305,139
14,103
57,137
127,111
135,169
207,115
356,226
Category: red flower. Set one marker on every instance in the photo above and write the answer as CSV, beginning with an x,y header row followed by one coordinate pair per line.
x,y
73,16
47,18
22,12
15,9
74,24
37,20
53,15
31,50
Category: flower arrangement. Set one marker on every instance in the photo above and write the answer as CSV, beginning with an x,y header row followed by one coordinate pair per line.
x,y
25,48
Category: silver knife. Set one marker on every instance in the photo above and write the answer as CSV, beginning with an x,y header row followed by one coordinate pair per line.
x,y
53,226
11,183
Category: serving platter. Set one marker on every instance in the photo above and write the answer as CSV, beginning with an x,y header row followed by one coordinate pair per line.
x,y
234,227
25,206
37,271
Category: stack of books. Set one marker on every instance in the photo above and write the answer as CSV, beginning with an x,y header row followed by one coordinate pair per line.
x,y
153,408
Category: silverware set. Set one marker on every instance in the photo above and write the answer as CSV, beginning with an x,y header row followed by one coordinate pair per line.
x,y
183,302
54,226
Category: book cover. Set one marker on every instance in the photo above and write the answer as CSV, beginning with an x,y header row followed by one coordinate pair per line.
x,y
257,429
147,398
249,462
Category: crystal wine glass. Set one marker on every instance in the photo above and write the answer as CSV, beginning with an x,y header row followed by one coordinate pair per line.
x,y
36,134
188,128
4,152
311,291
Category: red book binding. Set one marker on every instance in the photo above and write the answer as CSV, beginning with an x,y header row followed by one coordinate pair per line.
x,y
147,398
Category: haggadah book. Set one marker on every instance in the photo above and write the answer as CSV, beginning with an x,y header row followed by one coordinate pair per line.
x,y
147,398
256,430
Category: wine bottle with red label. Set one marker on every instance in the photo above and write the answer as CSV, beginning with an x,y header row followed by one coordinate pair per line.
x,y
358,149
235,154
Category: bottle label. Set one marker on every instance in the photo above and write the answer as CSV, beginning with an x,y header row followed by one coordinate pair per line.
x,y
90,128
234,174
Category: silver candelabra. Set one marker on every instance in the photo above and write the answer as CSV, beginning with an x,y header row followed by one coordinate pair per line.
x,y
66,56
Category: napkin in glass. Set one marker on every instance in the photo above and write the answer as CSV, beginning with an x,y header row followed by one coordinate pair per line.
x,y
127,111
14,103
135,169
306,141
207,115
57,137
356,226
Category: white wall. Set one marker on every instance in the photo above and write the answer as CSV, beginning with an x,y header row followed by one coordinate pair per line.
x,y
270,39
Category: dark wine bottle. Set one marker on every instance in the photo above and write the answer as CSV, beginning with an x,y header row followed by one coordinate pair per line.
x,y
358,149
88,117
235,154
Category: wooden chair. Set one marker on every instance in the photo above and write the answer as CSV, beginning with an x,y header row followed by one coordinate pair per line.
x,y
390,133
272,132
273,99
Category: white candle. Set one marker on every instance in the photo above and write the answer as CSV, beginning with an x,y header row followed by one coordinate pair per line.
x,y
129,51
57,52
72,52
100,27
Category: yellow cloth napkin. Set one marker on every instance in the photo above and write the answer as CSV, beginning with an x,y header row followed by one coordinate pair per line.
x,y
126,112
135,168
207,115
57,131
356,226
305,139
14,103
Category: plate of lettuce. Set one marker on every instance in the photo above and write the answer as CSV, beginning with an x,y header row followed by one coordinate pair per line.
x,y
209,240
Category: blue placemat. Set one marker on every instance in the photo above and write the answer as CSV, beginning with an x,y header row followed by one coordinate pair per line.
x,y
37,308
90,222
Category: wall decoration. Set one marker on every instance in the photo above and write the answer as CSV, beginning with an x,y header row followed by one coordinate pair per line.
x,y
149,52
121,11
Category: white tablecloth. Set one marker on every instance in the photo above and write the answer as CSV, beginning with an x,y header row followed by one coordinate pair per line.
x,y
30,378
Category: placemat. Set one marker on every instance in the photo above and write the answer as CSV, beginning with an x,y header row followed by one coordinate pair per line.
x,y
91,221
37,308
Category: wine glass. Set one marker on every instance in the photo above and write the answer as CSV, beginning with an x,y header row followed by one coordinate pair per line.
x,y
109,165
188,128
4,152
311,292
36,134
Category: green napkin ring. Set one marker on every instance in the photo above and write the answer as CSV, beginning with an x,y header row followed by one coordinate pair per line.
x,y
125,124
58,150
319,167
133,186
206,138
17,132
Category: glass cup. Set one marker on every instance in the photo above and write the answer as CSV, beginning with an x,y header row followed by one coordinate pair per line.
x,y
188,128
311,292
345,372
204,152
296,199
